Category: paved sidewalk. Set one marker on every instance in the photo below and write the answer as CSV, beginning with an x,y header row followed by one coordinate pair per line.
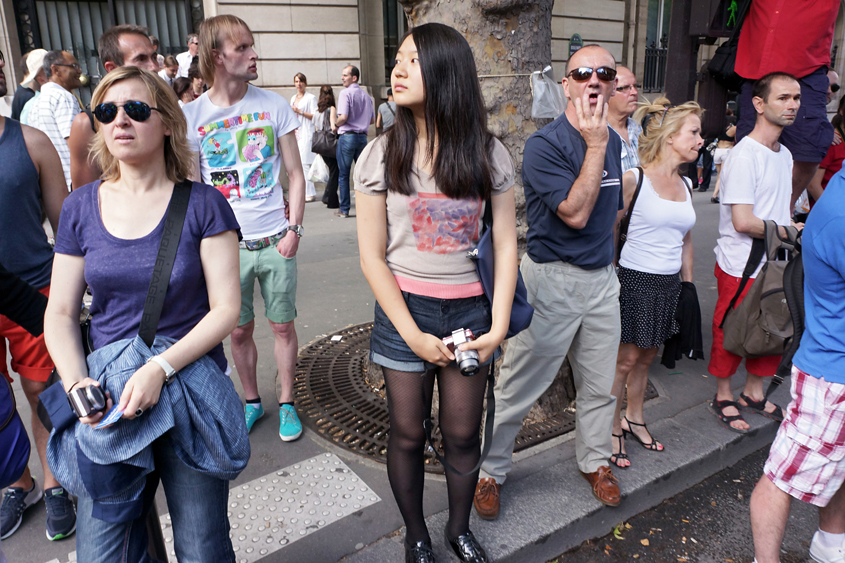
x,y
546,505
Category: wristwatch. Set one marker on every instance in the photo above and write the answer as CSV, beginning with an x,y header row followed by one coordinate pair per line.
x,y
169,372
299,230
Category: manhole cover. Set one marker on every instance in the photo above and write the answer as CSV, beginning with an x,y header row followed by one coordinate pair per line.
x,y
334,399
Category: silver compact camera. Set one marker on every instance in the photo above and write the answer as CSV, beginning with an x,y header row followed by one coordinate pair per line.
x,y
86,401
467,360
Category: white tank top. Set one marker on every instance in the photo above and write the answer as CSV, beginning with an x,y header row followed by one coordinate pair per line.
x,y
656,231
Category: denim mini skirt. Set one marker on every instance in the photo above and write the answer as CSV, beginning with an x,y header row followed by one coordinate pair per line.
x,y
433,316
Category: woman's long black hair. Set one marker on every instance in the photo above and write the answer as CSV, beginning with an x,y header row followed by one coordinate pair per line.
x,y
454,108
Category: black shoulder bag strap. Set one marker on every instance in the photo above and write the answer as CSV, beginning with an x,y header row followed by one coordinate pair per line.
x,y
626,219
793,288
758,250
91,119
173,222
428,423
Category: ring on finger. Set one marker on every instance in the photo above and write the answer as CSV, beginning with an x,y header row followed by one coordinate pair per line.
x,y
139,412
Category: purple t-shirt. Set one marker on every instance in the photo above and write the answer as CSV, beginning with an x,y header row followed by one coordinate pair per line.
x,y
119,270
357,106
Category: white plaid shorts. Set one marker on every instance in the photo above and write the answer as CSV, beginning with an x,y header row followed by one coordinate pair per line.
x,y
807,458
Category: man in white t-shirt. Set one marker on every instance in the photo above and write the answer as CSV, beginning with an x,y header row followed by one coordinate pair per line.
x,y
243,134
756,185
185,59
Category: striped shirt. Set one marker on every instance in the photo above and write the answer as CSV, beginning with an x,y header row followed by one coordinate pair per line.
x,y
53,112
630,146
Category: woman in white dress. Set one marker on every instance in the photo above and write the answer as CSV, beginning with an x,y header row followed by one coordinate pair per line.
x,y
304,105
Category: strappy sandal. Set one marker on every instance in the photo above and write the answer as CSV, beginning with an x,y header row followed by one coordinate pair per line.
x,y
717,408
652,446
620,455
759,407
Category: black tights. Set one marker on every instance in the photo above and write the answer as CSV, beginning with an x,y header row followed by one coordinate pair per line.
x,y
461,405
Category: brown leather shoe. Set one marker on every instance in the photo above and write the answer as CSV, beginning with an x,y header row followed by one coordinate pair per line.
x,y
486,500
604,485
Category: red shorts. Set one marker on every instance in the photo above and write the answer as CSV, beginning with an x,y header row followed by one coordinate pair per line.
x,y
807,458
722,362
29,354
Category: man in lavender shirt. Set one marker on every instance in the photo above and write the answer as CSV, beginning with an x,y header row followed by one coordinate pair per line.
x,y
355,113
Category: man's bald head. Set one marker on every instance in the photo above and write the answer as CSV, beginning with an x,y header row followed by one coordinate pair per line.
x,y
576,59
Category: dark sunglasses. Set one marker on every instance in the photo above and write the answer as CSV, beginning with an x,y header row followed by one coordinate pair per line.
x,y
583,73
136,111
834,88
627,87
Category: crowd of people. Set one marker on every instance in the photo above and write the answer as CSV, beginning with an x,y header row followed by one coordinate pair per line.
x,y
185,153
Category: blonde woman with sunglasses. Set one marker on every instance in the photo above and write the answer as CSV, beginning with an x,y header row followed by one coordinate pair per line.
x,y
179,405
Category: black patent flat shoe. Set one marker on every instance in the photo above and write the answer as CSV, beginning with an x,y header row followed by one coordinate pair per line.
x,y
419,552
467,548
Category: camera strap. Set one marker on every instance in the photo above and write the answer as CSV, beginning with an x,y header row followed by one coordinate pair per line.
x,y
173,222
428,424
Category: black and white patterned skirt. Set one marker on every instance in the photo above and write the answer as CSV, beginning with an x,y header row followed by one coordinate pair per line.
x,y
648,303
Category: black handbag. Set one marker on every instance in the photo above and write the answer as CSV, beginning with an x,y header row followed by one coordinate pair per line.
x,y
324,141
721,66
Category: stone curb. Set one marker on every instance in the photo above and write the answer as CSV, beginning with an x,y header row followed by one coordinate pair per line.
x,y
552,510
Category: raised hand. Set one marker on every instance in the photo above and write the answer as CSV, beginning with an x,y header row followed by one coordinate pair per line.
x,y
593,125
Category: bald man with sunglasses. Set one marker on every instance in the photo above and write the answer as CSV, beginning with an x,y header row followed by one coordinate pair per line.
x,y
572,175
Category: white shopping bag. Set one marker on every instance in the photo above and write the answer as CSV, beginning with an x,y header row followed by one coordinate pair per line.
x,y
548,95
318,172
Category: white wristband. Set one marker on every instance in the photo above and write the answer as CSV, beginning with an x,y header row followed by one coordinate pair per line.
x,y
169,372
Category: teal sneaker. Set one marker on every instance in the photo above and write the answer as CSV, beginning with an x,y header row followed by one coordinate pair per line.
x,y
289,426
252,413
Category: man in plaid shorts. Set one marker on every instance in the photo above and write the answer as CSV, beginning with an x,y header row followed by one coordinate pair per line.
x,y
807,458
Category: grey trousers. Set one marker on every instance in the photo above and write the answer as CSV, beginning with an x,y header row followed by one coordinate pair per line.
x,y
576,314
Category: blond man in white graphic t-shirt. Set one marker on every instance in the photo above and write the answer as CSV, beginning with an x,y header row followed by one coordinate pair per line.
x,y
243,134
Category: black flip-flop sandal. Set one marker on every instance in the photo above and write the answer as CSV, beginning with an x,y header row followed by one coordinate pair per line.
x,y
759,407
717,408
620,455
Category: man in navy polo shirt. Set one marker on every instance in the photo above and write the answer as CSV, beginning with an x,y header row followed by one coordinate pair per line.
x,y
572,176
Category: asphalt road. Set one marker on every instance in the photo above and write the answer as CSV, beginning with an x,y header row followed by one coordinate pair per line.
x,y
707,523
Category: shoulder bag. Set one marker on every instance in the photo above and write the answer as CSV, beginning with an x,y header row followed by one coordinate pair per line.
x,y
324,141
721,66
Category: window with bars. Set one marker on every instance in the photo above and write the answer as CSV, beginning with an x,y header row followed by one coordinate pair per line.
x,y
77,26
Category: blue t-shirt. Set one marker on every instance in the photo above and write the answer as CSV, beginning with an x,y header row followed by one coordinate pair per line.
x,y
119,270
822,350
551,164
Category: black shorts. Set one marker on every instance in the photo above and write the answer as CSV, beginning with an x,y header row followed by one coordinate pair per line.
x,y
810,136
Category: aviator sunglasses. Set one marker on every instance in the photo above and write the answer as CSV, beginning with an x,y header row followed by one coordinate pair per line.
x,y
136,111
583,73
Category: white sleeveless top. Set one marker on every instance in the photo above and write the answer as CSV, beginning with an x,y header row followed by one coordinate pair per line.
x,y
656,231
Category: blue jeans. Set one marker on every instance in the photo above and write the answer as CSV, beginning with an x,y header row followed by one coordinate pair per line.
x,y
349,148
198,512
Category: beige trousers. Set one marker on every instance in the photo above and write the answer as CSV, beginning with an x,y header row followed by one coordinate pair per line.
x,y
576,315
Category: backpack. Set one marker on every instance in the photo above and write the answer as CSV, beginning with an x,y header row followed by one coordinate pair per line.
x,y
763,325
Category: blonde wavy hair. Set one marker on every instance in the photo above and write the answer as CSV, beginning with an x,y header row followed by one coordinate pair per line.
x,y
178,155
664,121
212,32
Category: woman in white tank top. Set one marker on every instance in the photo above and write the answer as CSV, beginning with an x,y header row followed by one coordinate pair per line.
x,y
658,248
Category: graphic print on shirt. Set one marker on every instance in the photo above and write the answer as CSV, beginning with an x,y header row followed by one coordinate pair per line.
x,y
443,225
254,145
226,182
219,149
258,183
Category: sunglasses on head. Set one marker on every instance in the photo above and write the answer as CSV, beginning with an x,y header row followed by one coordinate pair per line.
x,y
136,111
583,73
834,88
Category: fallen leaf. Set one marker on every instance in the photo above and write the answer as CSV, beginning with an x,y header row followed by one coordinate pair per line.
x,y
651,532
683,540
712,503
682,520
644,542
608,548
682,559
628,526
729,561
617,533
